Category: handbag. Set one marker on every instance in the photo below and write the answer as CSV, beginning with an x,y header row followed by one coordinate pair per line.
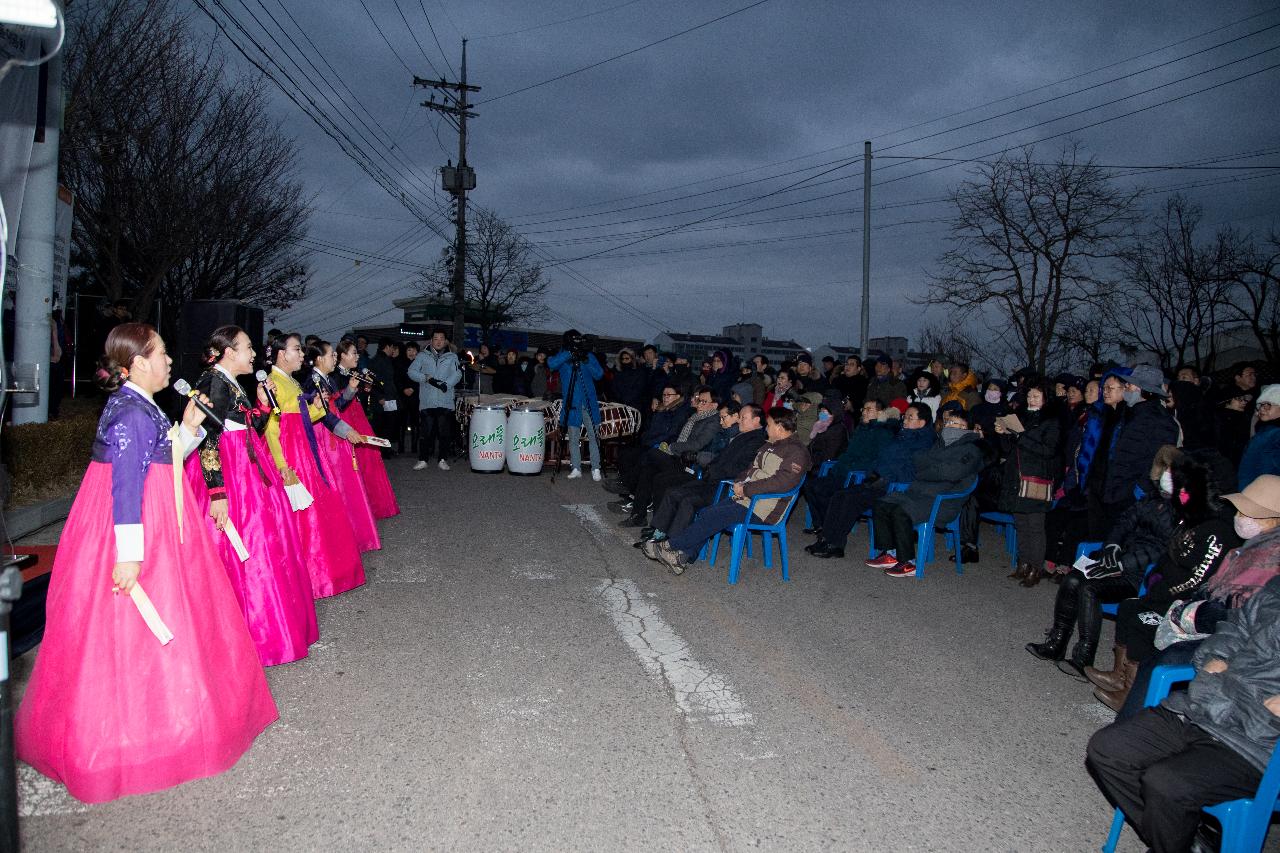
x,y
1034,488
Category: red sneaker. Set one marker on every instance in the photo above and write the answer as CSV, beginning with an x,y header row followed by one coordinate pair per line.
x,y
884,561
902,570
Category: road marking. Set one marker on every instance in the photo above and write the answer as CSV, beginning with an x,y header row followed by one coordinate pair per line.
x,y
699,692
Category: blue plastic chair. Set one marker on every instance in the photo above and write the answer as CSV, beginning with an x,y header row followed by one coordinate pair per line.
x,y
925,533
1004,521
742,534
854,477
869,518
1244,822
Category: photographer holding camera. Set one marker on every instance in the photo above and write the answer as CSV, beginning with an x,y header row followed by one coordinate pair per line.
x,y
437,369
579,370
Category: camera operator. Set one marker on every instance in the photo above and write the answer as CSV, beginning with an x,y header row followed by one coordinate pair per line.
x,y
579,371
437,369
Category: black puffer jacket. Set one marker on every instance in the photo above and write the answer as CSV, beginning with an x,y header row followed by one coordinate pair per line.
x,y
1033,453
732,462
1192,557
629,387
1143,532
940,470
1145,428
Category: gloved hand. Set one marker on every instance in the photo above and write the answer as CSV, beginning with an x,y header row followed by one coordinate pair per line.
x,y
438,384
1109,556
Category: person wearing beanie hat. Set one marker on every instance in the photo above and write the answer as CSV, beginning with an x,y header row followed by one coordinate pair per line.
x,y
1262,455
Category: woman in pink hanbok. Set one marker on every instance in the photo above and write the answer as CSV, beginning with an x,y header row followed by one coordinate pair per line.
x,y
382,498
248,513
146,677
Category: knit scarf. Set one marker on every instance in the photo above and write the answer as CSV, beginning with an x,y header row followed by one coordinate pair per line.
x,y
694,421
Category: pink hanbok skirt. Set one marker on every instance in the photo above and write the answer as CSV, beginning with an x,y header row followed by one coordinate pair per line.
x,y
109,711
382,499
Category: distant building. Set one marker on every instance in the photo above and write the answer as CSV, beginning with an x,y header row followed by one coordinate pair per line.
x,y
895,348
742,340
839,353
422,316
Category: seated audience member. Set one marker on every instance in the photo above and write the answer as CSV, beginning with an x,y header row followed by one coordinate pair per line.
x,y
962,386
1137,540
1205,745
1245,570
895,464
695,436
884,385
948,467
1262,454
851,382
806,408
779,466
924,389
679,502
860,454
1202,538
1032,462
664,426
804,377
828,435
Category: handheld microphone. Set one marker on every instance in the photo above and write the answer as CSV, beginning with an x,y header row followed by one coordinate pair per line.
x,y
261,376
184,388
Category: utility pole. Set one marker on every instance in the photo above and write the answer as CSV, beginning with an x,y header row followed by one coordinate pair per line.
x,y
866,245
457,181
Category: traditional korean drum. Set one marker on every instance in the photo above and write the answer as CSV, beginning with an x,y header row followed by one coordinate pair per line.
x,y
526,440
487,438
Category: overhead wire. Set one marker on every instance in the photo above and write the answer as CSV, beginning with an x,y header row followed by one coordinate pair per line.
x,y
439,47
556,23
414,36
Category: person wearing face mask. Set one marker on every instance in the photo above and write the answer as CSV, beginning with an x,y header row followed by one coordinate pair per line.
x,y
1029,442
1262,455
1138,538
1203,534
1211,742
828,435
1146,426
992,406
948,467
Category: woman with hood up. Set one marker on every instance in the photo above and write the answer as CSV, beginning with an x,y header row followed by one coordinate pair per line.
x,y
924,388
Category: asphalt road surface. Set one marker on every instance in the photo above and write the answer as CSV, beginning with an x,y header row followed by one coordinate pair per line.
x,y
514,676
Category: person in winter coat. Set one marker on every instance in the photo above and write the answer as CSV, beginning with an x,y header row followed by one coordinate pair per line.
x,y
1204,745
778,467
851,382
925,389
680,503
884,385
579,370
948,467
1147,426
962,386
827,436
694,436
895,464
1204,533
1262,455
1030,470
992,406
724,374
436,371
629,383
860,453
1137,540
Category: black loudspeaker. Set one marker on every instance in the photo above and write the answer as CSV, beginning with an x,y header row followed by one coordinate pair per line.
x,y
199,318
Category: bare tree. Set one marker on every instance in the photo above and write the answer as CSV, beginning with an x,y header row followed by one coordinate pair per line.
x,y
504,281
184,186
1255,294
1174,301
1030,243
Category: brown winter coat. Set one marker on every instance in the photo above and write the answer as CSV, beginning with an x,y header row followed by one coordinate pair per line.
x,y
778,467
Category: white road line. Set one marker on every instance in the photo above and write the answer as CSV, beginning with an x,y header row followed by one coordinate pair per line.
x,y
590,518
699,692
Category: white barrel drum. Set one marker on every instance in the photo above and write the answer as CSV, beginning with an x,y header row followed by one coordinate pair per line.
x,y
526,440
487,438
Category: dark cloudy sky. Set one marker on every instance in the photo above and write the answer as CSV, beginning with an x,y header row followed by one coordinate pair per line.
x,y
712,127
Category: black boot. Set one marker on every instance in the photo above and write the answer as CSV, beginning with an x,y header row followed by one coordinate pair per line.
x,y
1086,647
1054,646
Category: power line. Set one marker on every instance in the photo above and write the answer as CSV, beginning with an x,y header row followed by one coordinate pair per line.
x,y
557,23
445,56
385,40
414,36
624,54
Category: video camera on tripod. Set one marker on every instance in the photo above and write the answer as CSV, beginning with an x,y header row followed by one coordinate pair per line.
x,y
579,345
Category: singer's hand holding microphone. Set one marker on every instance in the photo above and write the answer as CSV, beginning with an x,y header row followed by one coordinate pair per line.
x,y
267,391
197,409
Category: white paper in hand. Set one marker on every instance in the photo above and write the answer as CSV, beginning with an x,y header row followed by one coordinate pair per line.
x,y
237,544
375,441
1084,563
149,615
299,497
390,405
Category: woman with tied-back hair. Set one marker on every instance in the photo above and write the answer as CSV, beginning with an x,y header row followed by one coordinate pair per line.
x,y
328,542
239,489
382,498
321,359
117,706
